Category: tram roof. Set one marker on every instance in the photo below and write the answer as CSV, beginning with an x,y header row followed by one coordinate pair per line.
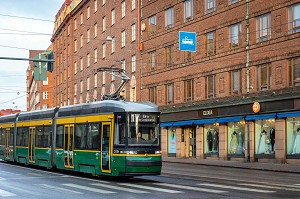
x,y
8,118
107,106
39,114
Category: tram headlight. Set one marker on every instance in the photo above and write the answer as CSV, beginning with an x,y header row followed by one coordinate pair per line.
x,y
157,152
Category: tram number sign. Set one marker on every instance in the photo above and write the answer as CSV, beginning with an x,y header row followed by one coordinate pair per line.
x,y
143,118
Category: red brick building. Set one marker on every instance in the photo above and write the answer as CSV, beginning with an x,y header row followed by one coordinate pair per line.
x,y
92,34
8,112
247,52
39,93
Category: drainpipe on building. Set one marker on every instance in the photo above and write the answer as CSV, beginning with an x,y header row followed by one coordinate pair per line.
x,y
139,57
247,74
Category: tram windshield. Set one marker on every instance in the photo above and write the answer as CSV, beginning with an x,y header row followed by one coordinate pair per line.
x,y
137,130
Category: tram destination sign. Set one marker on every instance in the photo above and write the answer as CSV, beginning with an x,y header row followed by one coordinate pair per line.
x,y
143,117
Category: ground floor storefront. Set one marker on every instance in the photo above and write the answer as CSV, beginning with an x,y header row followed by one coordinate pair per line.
x,y
258,131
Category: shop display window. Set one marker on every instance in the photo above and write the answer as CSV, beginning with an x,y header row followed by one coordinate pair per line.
x,y
265,136
293,135
236,137
211,138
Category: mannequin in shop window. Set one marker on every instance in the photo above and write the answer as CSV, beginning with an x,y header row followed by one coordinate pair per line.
x,y
296,147
263,143
209,139
241,140
215,136
272,139
234,142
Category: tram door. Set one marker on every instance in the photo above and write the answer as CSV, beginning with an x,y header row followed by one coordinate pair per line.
x,y
7,147
31,144
105,147
69,146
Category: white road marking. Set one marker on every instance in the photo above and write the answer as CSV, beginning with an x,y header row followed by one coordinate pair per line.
x,y
58,188
120,188
22,190
150,188
236,188
190,188
6,193
270,187
88,188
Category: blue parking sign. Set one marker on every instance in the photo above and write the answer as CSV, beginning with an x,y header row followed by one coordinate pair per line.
x,y
187,41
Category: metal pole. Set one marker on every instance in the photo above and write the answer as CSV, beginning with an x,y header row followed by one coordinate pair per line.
x,y
27,59
247,48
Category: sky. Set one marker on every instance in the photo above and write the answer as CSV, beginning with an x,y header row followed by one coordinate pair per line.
x,y
24,25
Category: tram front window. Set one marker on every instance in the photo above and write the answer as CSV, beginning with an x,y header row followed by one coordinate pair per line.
x,y
144,134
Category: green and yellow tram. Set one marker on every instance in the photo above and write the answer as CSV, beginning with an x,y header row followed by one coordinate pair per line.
x,y
110,137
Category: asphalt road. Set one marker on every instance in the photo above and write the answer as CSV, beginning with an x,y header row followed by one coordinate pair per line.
x,y
176,181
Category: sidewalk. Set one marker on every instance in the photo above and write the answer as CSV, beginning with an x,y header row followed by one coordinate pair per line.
x,y
290,168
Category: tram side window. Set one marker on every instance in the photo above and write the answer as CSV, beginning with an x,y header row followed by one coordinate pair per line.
x,y
80,136
2,137
60,136
39,136
93,136
22,136
47,136
11,142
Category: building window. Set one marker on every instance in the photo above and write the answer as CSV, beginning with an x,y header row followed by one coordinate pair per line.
x,y
95,29
233,1
235,82
113,45
263,28
133,4
152,24
75,45
81,64
75,24
88,60
133,63
95,80
103,2
133,32
112,74
210,6
234,35
152,60
169,55
95,5
264,77
45,95
81,41
95,55
88,83
81,86
188,90
188,10
88,12
294,74
113,16
294,18
123,9
210,86
104,78
103,24
81,18
123,38
210,43
88,35
169,17
123,64
45,82
75,89
103,50
75,68
170,91
152,94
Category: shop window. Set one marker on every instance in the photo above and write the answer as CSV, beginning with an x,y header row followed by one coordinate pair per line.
x,y
236,138
293,135
265,136
211,138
